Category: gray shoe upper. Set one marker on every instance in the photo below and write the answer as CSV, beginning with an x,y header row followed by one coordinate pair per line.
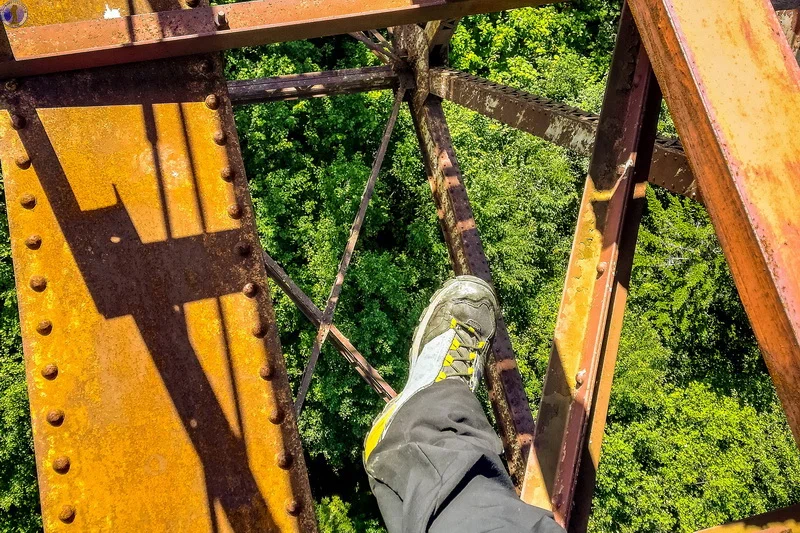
x,y
468,305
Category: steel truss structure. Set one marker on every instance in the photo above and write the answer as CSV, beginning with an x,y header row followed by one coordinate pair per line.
x,y
158,390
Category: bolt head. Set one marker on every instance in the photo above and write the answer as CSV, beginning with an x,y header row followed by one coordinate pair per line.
x,y
33,242
235,211
250,290
221,20
212,101
38,283
266,372
284,460
61,464
28,201
227,174
293,507
243,248
260,330
12,85
50,372
580,377
220,137
18,121
55,417
44,327
276,416
67,514
602,267
23,161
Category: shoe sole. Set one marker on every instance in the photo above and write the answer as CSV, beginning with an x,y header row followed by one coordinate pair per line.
x,y
435,299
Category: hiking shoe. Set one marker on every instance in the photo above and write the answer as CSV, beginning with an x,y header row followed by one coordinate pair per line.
x,y
450,342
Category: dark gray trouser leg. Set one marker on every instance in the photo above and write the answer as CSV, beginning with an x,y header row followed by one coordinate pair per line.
x,y
438,469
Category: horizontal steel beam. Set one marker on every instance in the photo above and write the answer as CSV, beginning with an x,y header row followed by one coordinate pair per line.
x,y
312,84
783,520
91,43
558,123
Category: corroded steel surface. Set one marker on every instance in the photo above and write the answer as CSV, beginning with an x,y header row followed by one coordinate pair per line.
x,y
733,88
312,84
558,123
506,391
158,392
140,37
781,521
575,397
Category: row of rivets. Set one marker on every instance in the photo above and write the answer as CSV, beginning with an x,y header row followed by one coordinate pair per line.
x,y
276,416
55,417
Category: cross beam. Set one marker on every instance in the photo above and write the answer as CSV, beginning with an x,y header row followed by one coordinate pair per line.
x,y
147,36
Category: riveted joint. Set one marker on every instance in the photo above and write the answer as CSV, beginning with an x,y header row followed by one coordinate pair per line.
x,y
62,464
55,417
250,290
67,514
212,101
50,372
293,507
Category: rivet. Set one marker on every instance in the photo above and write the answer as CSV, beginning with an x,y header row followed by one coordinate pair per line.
x,y
28,201
23,161
221,19
61,464
601,267
243,248
38,283
12,85
250,290
33,242
235,211
266,372
580,377
55,417
50,371
276,416
212,102
284,460
18,121
227,173
67,514
44,327
220,137
260,330
293,507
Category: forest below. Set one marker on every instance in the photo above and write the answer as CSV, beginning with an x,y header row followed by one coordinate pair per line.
x,y
696,435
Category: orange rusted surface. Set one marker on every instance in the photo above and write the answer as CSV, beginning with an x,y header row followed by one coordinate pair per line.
x,y
158,392
781,521
733,87
569,426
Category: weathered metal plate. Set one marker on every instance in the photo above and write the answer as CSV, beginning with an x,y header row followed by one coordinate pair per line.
x,y
158,391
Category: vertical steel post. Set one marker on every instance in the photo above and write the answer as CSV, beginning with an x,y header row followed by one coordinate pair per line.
x,y
572,415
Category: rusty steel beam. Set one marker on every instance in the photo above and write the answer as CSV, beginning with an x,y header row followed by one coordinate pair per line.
x,y
159,395
558,123
504,382
312,85
733,88
342,343
781,521
45,46
569,427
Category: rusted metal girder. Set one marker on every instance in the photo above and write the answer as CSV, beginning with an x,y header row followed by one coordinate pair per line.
x,y
781,521
506,390
48,45
312,84
342,343
733,88
569,426
558,123
158,391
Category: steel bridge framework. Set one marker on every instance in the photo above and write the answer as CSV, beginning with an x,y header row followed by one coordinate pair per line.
x,y
159,394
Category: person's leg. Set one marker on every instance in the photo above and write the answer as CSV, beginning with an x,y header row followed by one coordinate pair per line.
x,y
432,457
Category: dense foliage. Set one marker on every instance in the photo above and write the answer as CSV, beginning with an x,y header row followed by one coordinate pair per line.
x,y
696,435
